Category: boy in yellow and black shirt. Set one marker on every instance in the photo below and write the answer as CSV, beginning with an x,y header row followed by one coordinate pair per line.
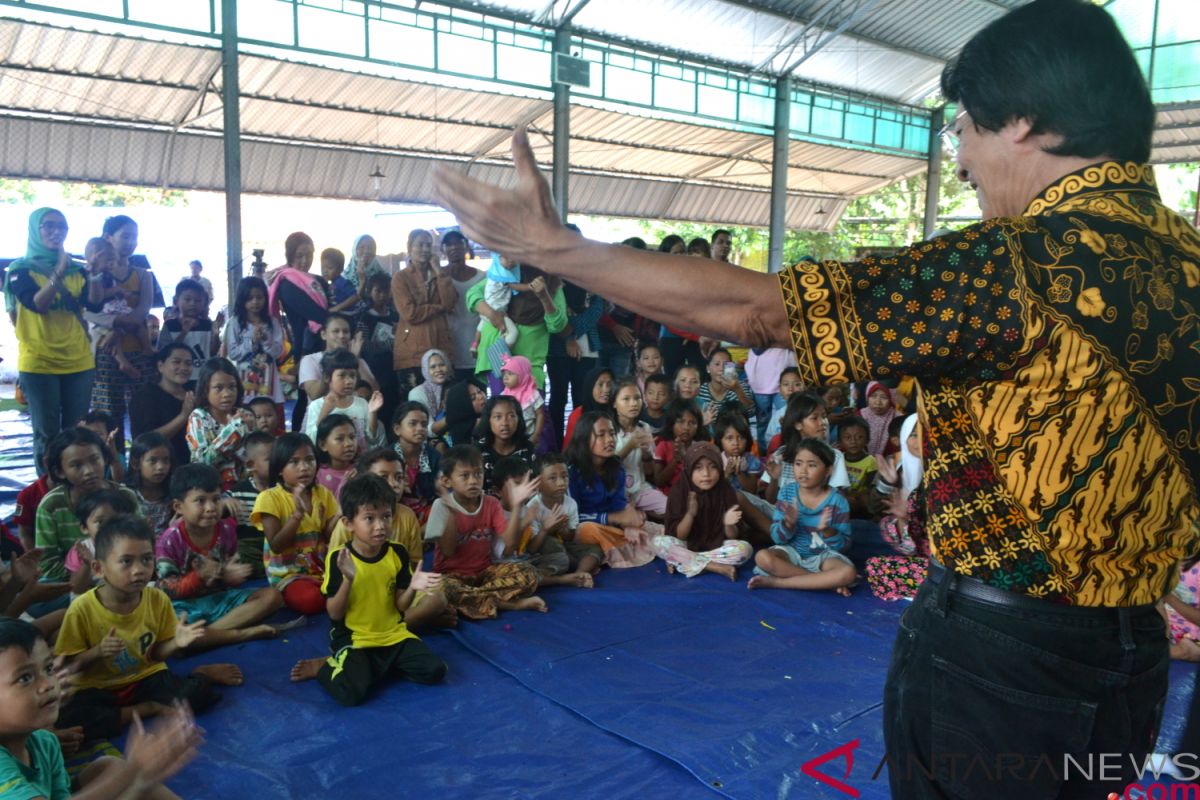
x,y
368,586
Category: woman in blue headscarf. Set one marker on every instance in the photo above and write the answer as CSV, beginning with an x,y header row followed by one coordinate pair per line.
x,y
363,263
49,292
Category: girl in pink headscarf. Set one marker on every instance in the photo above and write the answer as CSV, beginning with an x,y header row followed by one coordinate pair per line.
x,y
878,414
517,376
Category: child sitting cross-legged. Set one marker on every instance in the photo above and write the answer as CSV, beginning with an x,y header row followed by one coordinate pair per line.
x,y
370,582
554,514
296,516
535,546
427,610
811,528
199,568
703,518
118,636
31,758
467,524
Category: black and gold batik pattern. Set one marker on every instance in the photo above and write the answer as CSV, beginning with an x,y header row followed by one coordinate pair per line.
x,y
1058,357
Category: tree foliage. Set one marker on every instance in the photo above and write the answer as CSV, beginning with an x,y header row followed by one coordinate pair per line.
x,y
113,196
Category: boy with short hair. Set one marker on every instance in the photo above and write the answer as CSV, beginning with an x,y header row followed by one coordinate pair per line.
x,y
340,370
654,399
31,757
198,565
93,511
369,584
469,525
119,634
553,516
853,435
191,325
266,416
427,610
257,449
534,546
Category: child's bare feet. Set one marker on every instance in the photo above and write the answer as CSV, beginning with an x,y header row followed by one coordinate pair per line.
x,y
762,582
844,591
260,632
222,674
582,579
728,570
448,618
298,622
306,669
534,603
1186,650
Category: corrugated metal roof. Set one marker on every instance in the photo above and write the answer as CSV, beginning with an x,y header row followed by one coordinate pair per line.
x,y
1177,137
320,131
893,48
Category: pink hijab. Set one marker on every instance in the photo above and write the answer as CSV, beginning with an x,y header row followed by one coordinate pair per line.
x,y
526,389
877,423
302,281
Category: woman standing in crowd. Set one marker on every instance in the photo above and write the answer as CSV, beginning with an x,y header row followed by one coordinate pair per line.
x,y
425,298
538,313
431,393
363,263
114,389
55,358
164,407
303,297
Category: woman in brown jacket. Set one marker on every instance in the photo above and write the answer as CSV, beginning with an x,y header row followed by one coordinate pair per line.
x,y
425,297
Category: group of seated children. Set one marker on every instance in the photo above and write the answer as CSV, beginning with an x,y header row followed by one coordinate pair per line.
x,y
338,522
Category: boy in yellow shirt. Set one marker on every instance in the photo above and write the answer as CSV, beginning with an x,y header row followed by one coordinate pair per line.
x,y
117,636
369,584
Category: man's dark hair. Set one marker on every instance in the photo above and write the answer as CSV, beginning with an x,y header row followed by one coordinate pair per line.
x,y
189,285
126,526
718,232
18,633
366,490
255,438
1064,66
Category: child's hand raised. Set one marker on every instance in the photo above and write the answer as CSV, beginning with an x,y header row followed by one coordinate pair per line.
x,y
644,438
247,418
303,501
375,404
731,466
111,644
166,748
887,470
709,414
693,505
555,519
519,492
188,634
235,572
26,567
209,569
791,513
189,403
110,441
825,522
773,468
733,516
424,581
345,563
356,344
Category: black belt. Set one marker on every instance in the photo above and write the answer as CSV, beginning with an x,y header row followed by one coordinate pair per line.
x,y
974,589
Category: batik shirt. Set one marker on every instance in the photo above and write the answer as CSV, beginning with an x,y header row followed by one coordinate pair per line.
x,y
1058,357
